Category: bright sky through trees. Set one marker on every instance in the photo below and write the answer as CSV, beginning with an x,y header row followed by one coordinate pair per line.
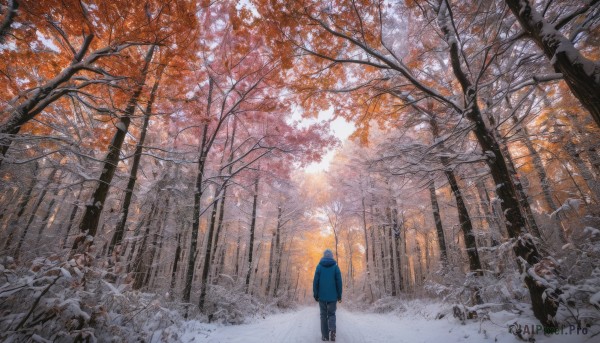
x,y
340,128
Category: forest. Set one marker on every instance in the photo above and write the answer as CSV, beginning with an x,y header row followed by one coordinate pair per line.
x,y
167,162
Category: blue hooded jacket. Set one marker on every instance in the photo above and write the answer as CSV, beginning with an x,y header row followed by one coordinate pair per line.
x,y
327,284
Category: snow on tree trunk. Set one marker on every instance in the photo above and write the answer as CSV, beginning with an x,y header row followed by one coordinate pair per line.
x,y
208,251
581,74
8,19
137,156
391,258
93,209
435,210
252,230
545,303
36,205
189,277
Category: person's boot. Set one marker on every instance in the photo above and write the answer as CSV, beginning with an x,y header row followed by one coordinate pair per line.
x,y
332,336
324,339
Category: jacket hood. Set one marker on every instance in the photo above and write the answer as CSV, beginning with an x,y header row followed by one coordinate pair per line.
x,y
327,262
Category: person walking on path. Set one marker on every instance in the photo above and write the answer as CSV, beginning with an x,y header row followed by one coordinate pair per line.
x,y
327,289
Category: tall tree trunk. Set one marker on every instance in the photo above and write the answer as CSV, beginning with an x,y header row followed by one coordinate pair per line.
x,y
465,224
488,143
438,223
9,193
418,264
287,247
366,238
140,263
427,254
278,252
544,298
148,264
186,227
377,262
586,174
350,266
399,255
405,264
219,257
159,238
224,196
21,206
252,229
580,73
91,216
137,156
50,212
381,241
189,277
13,6
259,247
237,253
175,266
136,234
220,204
72,216
278,274
273,251
520,192
490,217
391,251
211,235
207,251
464,219
34,209
468,232
538,165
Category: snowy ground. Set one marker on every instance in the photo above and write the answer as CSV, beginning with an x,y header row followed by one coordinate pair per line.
x,y
303,326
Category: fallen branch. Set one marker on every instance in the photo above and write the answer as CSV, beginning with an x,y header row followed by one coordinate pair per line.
x,y
36,302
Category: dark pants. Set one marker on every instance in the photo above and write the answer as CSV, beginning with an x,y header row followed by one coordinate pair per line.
x,y
327,317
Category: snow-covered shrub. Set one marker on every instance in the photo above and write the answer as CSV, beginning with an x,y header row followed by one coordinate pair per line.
x,y
285,300
229,304
388,305
65,301
580,297
358,301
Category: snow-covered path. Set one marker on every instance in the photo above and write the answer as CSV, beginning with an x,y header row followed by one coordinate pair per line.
x,y
303,326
